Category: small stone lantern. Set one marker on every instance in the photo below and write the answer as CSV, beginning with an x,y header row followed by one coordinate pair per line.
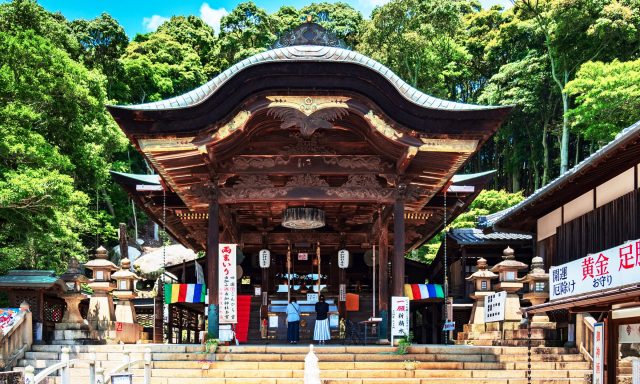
x,y
507,270
73,279
101,312
538,288
125,280
482,281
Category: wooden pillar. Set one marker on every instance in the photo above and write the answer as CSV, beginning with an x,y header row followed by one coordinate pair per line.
x,y
213,240
464,271
398,248
383,277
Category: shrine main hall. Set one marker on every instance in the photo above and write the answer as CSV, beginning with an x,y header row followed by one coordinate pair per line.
x,y
305,151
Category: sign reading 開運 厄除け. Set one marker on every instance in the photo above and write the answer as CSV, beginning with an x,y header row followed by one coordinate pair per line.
x,y
612,268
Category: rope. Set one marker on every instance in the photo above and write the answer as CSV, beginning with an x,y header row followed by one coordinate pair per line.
x,y
446,279
528,350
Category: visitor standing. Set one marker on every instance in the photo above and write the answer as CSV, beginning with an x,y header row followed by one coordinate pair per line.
x,y
321,330
293,321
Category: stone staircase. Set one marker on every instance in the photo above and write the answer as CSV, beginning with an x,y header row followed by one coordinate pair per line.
x,y
273,364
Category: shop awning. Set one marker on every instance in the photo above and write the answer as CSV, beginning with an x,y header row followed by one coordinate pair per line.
x,y
592,302
423,291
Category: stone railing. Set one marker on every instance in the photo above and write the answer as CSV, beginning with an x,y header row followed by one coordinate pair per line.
x,y
17,340
96,374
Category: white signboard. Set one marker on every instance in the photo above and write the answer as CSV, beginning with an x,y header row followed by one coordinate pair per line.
x,y
343,293
629,333
612,268
227,289
265,258
257,291
399,316
343,258
303,256
494,306
598,353
312,297
635,371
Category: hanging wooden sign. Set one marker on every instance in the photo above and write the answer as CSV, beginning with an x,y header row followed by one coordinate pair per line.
x,y
343,258
265,258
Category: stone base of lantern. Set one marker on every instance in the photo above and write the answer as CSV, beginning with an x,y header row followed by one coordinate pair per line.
x,y
125,311
509,333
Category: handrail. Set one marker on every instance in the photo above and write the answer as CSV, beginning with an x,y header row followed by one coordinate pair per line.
x,y
18,339
586,342
49,370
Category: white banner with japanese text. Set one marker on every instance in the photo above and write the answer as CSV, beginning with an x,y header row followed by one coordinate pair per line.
x,y
598,353
227,289
611,268
494,306
399,316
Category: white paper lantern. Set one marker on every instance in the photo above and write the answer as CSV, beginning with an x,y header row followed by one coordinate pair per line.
x,y
343,258
265,258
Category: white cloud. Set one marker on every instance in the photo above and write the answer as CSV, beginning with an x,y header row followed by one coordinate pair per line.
x,y
212,16
152,23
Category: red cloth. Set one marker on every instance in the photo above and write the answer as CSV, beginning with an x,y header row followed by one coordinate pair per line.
x,y
415,288
182,294
244,313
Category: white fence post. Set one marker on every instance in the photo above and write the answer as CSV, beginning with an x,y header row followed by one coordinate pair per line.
x,y
29,377
147,366
99,375
92,366
126,358
64,371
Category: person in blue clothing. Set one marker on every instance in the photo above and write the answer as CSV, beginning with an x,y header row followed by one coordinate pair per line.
x,y
293,321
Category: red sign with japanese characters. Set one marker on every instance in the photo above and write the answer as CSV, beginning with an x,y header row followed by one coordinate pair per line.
x,y
227,279
611,268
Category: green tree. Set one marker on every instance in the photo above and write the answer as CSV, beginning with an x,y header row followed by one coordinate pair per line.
x,y
339,18
157,66
607,98
193,32
102,41
56,142
577,31
419,41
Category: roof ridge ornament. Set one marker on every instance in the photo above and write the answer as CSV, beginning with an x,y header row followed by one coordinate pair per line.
x,y
309,33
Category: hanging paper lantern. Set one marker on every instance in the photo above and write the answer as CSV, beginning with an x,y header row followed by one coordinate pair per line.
x,y
265,258
343,258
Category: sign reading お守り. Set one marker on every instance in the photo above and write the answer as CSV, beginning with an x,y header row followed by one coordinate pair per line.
x,y
612,268
227,293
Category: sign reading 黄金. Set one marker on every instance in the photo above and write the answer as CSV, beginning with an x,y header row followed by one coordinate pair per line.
x,y
227,292
399,316
598,353
611,268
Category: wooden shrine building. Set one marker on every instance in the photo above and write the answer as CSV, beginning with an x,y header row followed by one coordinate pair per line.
x,y
307,124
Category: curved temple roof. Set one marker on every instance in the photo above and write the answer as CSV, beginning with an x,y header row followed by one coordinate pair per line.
x,y
307,53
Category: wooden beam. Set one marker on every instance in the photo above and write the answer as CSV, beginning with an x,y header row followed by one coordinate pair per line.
x,y
305,164
398,248
403,162
307,194
227,223
383,277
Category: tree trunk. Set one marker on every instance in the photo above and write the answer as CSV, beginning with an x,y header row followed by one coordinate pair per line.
x,y
564,145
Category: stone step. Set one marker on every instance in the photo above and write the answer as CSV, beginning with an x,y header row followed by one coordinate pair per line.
x,y
282,349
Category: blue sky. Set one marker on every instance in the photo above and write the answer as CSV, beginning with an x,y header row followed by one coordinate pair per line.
x,y
139,16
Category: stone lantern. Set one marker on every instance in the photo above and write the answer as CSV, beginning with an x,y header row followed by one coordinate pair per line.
x,y
73,279
507,270
124,292
72,326
538,288
101,312
482,282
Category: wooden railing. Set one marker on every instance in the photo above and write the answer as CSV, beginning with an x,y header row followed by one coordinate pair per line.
x,y
585,342
18,339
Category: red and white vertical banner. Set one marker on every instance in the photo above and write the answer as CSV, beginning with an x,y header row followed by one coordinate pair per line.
x,y
598,353
399,316
227,288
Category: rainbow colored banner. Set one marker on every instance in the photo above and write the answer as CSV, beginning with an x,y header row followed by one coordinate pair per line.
x,y
184,293
423,291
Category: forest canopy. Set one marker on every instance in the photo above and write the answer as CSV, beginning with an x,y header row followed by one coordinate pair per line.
x,y
570,68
